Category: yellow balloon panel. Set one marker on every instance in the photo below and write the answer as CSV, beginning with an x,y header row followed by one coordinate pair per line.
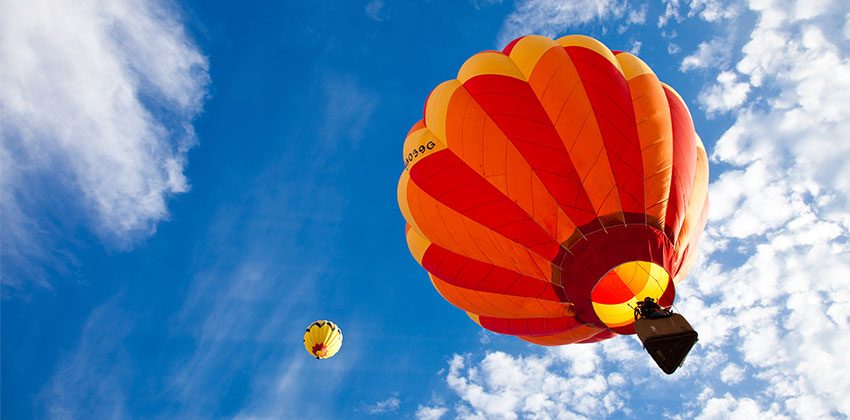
x,y
616,295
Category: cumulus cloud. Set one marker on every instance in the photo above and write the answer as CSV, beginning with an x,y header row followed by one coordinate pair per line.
x,y
637,16
727,407
732,374
671,12
554,17
714,10
425,412
557,384
725,95
673,48
779,223
96,104
714,54
793,223
708,10
634,17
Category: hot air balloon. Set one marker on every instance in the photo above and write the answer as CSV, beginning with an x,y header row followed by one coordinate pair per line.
x,y
323,339
553,185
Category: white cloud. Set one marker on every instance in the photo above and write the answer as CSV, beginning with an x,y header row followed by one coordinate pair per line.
x,y
671,11
808,9
732,374
729,407
555,17
707,10
714,54
389,405
786,203
669,34
726,95
753,201
564,382
635,47
430,413
96,103
637,16
713,10
673,48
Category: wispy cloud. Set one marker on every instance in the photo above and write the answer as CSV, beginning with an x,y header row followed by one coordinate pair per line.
x,y
375,10
90,381
96,104
348,108
483,4
389,405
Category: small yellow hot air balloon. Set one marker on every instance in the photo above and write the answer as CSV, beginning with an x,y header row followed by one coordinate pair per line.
x,y
323,339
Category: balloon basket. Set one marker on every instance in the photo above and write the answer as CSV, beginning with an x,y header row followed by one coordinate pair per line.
x,y
668,340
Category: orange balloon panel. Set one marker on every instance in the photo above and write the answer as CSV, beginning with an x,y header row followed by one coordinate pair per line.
x,y
551,185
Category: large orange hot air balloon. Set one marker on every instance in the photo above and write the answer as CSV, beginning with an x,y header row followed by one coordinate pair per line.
x,y
551,186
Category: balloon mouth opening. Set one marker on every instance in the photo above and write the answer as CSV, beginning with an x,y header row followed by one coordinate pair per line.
x,y
616,294
320,350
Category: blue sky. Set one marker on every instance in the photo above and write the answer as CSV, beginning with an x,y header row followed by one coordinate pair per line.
x,y
187,185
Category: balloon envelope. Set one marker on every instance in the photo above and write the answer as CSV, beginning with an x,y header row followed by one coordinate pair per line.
x,y
323,339
550,186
